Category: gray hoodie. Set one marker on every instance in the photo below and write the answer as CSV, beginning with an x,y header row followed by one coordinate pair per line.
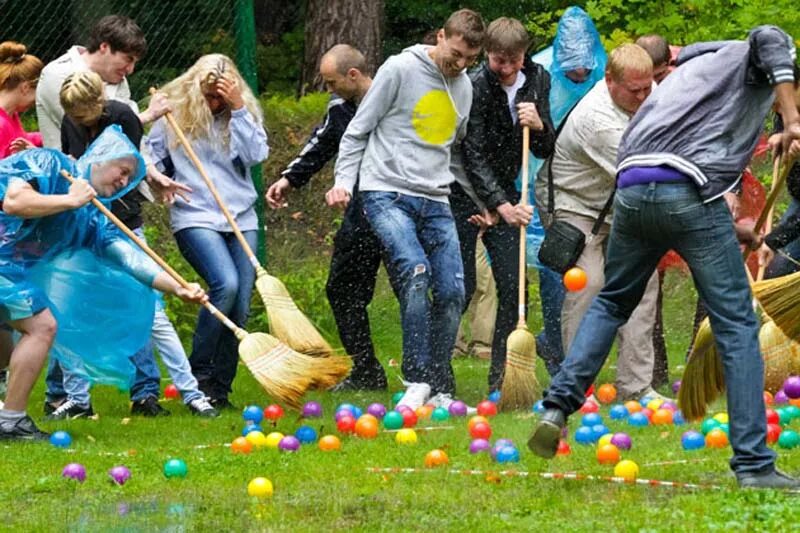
x,y
401,137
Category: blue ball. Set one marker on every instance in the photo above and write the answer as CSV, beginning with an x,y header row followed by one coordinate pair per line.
x,y
618,412
584,435
693,440
60,439
345,406
591,419
357,412
251,427
306,434
507,454
494,396
598,430
253,413
538,407
644,401
677,418
638,419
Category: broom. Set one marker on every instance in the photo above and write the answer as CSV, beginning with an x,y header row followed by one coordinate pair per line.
x,y
703,379
282,372
520,387
286,321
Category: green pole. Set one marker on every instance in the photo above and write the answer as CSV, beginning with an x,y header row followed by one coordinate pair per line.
x,y
245,30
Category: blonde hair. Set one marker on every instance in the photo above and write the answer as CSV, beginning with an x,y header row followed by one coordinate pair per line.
x,y
190,108
17,66
506,36
628,57
82,96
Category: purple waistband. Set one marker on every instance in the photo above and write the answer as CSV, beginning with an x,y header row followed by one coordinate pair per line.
x,y
643,175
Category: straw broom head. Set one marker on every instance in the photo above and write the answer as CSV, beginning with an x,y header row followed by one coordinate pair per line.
x,y
778,298
778,351
703,380
520,387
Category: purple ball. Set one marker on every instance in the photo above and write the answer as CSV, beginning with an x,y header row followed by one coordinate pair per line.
x,y
479,445
458,408
676,386
312,410
622,441
791,387
669,405
120,474
74,471
289,443
781,398
343,412
378,410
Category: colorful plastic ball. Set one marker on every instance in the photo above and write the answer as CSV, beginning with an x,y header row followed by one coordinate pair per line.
x,y
436,458
175,468
273,440
397,396
716,438
676,386
341,413
487,408
709,424
791,387
74,471
725,428
669,404
591,419
394,420
476,419
633,407
253,414
330,443
563,448
618,412
606,393
257,439
306,434
171,392
622,441
312,410
346,424
627,470
260,487
273,412
654,405
499,445
120,474
795,402
345,407
768,398
662,417
722,418
605,439
367,427
773,417
289,443
249,428
61,439
378,410
598,430
424,412
789,439
406,436
440,414
692,440
481,430
781,398
773,433
403,408
538,407
584,435
494,396
479,445
507,454
678,418
409,418
575,279
458,408
241,445
608,454
783,415
793,411
638,419
647,412
589,407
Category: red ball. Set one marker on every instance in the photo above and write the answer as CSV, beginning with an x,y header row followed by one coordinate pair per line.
x,y
273,412
346,424
171,392
487,408
773,433
409,418
590,390
648,413
563,448
589,407
481,430
773,417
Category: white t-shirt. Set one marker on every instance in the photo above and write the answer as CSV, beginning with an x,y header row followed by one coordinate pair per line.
x,y
511,92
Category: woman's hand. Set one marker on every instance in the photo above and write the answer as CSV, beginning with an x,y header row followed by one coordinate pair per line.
x,y
230,91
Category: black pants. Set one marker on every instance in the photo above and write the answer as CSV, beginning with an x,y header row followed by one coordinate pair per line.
x,y
502,244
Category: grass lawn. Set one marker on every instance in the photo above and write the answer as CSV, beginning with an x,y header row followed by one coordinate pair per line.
x,y
316,491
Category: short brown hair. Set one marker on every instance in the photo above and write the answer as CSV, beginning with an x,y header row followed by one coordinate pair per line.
x,y
16,65
628,57
468,24
506,35
657,46
121,33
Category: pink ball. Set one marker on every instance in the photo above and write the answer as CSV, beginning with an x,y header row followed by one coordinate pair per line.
x,y
479,445
781,398
75,471
792,387
458,408
120,474
669,405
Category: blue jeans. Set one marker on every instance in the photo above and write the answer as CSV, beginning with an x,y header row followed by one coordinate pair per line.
x,y
169,347
648,221
780,266
422,252
222,263
548,342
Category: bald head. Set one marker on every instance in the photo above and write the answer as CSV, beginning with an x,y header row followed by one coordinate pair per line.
x,y
344,57
657,48
342,69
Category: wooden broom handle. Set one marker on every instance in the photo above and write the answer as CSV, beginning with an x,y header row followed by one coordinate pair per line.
x,y
776,166
155,257
777,185
526,143
211,187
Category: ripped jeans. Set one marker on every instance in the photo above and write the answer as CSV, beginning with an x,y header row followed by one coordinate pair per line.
x,y
424,266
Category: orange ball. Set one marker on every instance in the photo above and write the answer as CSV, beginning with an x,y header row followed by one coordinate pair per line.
x,y
716,438
330,443
794,401
662,417
424,412
606,393
575,279
769,399
241,445
436,458
608,454
367,427
475,419
633,407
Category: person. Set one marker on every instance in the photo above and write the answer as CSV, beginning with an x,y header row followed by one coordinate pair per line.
x,y
510,92
222,119
481,312
657,47
44,215
86,115
398,149
672,175
19,74
356,250
583,171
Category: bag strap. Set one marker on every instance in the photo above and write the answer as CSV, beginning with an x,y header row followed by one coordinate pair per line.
x,y
603,213
551,201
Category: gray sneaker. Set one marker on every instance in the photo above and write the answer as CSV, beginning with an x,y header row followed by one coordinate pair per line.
x,y
70,410
202,407
545,437
445,401
774,479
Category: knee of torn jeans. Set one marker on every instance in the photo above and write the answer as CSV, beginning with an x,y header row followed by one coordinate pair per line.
x,y
418,278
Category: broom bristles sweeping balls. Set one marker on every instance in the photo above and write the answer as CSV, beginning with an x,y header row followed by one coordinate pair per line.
x,y
703,380
520,387
778,298
777,350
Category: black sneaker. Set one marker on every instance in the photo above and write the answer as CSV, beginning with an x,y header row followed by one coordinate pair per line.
x,y
49,407
545,437
774,479
69,410
222,404
202,407
149,407
366,374
23,429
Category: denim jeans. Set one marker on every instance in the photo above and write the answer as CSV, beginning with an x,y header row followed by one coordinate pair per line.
x,y
781,266
648,221
220,260
548,342
169,347
422,251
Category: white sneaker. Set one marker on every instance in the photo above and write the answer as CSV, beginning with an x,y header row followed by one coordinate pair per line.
x,y
416,395
445,401
653,394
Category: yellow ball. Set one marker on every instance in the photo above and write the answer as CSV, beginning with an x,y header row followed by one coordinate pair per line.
x,y
605,439
406,436
627,470
722,418
257,439
273,439
260,487
654,405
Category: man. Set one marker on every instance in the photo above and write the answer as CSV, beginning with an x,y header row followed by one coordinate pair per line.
x,y
510,92
686,147
398,149
657,47
584,168
356,250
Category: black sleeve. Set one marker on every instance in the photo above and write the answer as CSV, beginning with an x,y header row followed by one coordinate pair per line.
x,y
784,233
132,127
543,142
479,171
71,141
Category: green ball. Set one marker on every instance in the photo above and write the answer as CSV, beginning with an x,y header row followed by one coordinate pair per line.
x,y
397,396
789,439
708,425
784,416
175,468
440,414
793,410
393,420
725,428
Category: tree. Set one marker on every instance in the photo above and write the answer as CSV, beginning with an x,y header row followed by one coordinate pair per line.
x,y
329,22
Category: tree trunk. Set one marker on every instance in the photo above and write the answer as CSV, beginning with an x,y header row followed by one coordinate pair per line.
x,y
329,22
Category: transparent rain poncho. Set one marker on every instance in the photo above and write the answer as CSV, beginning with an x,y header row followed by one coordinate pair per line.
x,y
91,277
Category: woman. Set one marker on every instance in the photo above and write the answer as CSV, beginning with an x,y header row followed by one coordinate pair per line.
x,y
222,119
19,72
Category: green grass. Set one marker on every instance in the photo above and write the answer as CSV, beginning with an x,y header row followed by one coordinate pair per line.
x,y
316,491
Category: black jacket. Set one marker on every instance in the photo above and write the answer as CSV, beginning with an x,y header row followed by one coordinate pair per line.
x,y
788,230
493,145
